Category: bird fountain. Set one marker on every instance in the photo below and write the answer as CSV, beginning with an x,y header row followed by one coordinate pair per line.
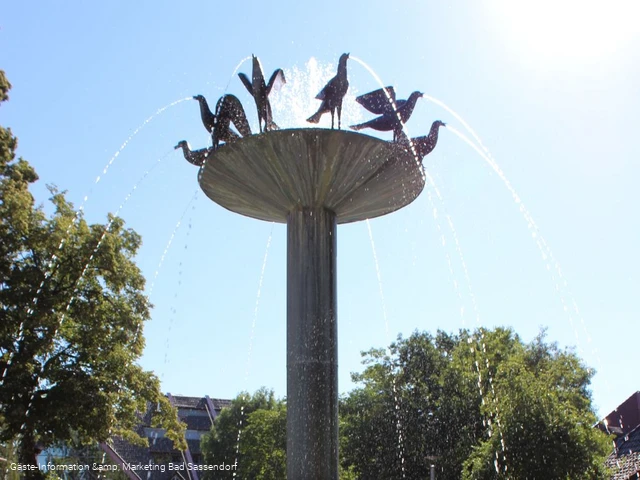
x,y
312,179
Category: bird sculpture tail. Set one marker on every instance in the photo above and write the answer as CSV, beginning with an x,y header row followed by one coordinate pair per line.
x,y
360,126
315,118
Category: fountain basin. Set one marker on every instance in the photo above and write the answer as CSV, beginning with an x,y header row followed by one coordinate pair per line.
x,y
356,176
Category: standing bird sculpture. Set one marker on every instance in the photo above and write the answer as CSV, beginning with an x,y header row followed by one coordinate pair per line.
x,y
424,145
333,93
229,111
194,157
260,92
392,117
208,118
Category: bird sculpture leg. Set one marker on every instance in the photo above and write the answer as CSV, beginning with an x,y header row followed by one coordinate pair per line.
x,y
339,113
401,138
332,114
264,119
396,132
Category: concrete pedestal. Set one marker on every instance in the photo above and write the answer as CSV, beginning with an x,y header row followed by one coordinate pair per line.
x,y
312,180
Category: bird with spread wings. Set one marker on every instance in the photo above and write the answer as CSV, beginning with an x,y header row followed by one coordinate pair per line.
x,y
393,113
261,90
229,111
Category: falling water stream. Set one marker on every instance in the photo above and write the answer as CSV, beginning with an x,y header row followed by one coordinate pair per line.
x,y
174,307
170,241
430,183
74,295
399,427
51,263
551,264
251,338
545,250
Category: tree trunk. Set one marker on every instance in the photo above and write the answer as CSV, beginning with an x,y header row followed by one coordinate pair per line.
x,y
28,457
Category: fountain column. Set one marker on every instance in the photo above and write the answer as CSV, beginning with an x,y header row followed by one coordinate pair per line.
x,y
312,345
312,180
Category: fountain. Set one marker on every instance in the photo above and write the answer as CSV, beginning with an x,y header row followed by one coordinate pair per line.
x,y
311,179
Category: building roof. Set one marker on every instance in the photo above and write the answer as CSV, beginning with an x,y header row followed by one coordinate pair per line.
x,y
624,418
624,422
626,467
195,412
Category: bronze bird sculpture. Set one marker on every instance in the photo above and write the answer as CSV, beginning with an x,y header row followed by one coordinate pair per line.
x,y
381,102
228,110
333,93
208,118
194,157
424,145
260,92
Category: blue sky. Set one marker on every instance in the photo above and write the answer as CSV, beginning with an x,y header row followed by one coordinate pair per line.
x,y
551,90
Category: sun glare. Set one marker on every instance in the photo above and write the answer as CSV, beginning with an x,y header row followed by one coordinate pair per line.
x,y
567,32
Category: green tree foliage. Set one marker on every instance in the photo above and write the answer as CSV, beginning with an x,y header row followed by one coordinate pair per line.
x,y
546,418
259,422
72,307
5,86
480,405
8,455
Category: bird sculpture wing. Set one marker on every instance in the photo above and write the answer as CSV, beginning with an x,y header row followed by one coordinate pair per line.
x,y
328,89
379,101
383,123
271,125
199,157
276,81
246,82
231,108
422,145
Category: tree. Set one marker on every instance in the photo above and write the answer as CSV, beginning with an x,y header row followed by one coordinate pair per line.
x,y
546,419
264,442
411,409
475,404
72,308
252,433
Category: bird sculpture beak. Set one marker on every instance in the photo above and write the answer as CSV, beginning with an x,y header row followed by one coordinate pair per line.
x,y
176,147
